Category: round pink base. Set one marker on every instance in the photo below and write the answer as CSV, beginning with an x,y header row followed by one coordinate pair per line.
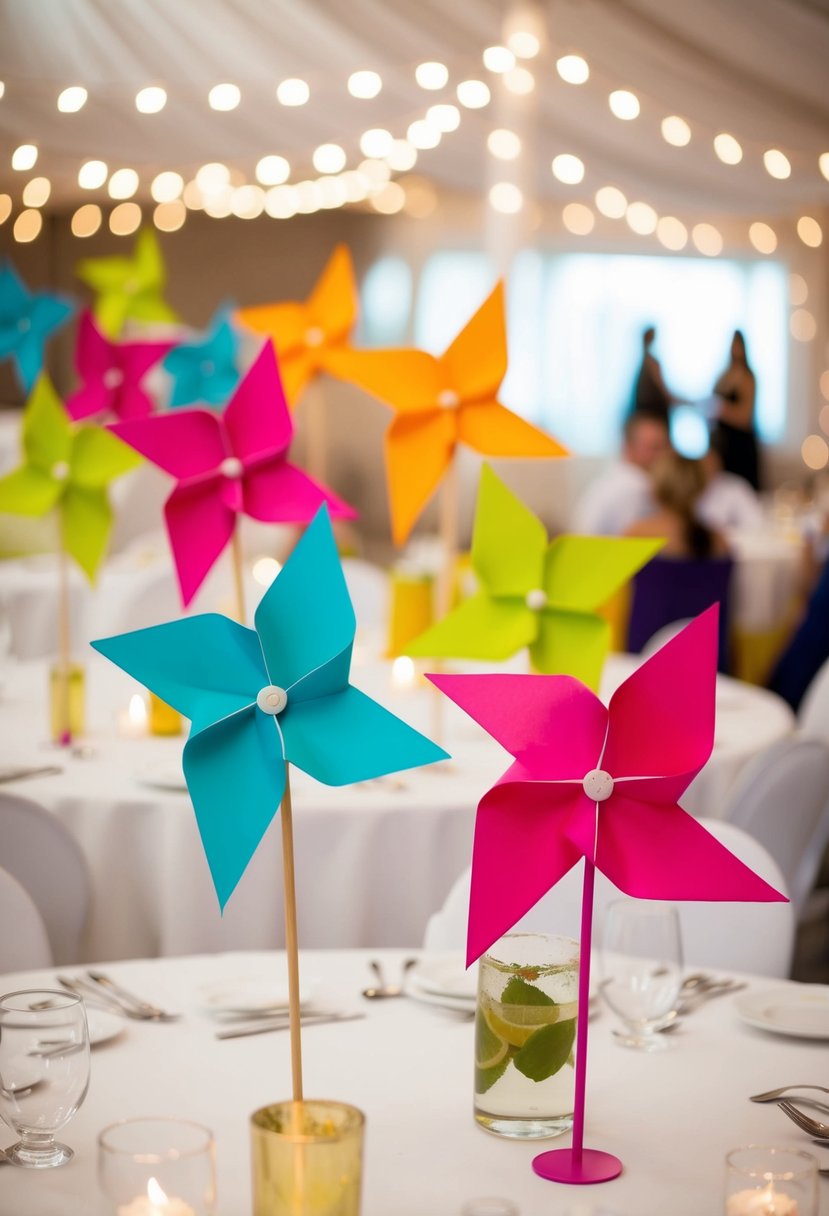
x,y
560,1165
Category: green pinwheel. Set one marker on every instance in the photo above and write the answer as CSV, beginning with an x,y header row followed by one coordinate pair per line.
x,y
128,288
534,592
66,468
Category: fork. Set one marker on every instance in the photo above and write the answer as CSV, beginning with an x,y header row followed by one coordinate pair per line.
x,y
813,1126
771,1094
121,994
95,995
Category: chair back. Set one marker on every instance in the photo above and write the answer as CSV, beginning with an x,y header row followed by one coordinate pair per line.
x,y
781,798
24,944
46,860
672,589
757,938
813,714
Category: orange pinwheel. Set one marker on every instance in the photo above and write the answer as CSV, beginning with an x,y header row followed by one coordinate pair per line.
x,y
305,334
440,402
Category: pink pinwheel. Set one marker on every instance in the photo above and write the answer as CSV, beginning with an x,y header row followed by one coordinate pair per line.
x,y
229,464
112,374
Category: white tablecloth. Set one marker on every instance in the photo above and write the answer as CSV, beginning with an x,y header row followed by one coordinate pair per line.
x,y
374,860
671,1117
765,581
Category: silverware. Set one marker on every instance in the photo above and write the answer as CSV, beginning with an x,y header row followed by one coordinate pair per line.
x,y
21,773
706,992
771,1094
122,994
383,990
813,1126
267,1025
94,995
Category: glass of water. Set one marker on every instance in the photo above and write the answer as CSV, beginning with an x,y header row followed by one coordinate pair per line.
x,y
641,968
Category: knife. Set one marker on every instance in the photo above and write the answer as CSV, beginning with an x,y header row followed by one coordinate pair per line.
x,y
239,1032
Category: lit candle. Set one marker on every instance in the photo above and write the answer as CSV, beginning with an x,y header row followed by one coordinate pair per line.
x,y
402,673
767,1202
156,1203
132,721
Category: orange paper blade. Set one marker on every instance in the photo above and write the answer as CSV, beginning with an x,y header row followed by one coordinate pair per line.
x,y
476,362
418,451
493,430
407,380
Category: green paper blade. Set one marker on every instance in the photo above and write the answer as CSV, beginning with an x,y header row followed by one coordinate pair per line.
x,y
47,431
28,491
583,572
479,628
98,457
111,311
571,644
508,542
86,519
151,307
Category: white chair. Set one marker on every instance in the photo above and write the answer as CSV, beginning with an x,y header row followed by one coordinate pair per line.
x,y
24,945
758,938
813,715
663,636
44,857
781,798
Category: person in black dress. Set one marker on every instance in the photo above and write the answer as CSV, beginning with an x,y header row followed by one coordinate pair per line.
x,y
733,433
651,395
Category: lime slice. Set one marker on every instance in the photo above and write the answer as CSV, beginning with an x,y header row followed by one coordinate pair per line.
x,y
516,1023
490,1048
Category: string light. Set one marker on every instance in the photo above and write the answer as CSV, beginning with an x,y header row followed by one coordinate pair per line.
x,y
728,149
802,325
272,170
578,219
474,94
431,75
423,135
192,196
72,99
823,419
390,199
763,237
27,226
280,202
506,198
92,174
224,97
568,169
213,177
823,164
5,207
809,231
87,220
125,219
2,89
247,202
445,117
624,104
364,85
824,384
169,217
36,192
167,187
401,156
798,290
707,239
641,218
503,144
292,92
123,183
675,131
671,232
815,452
150,100
573,69
519,81
329,158
777,164
611,202
24,157
498,59
524,44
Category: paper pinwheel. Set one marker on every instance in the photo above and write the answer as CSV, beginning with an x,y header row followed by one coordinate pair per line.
x,y
27,320
307,334
66,468
535,593
440,402
229,464
204,370
600,784
111,374
260,697
128,288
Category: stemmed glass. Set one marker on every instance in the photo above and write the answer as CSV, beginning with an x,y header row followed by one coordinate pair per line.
x,y
44,1071
641,964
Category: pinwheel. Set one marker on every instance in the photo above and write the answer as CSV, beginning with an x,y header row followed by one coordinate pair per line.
x,y
306,334
204,369
535,593
600,784
227,465
128,288
112,374
439,403
27,321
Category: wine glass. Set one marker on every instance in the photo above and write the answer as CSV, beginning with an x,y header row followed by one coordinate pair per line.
x,y
641,964
44,1071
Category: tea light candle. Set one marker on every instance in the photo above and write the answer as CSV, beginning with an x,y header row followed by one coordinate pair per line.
x,y
767,1202
132,721
403,674
156,1203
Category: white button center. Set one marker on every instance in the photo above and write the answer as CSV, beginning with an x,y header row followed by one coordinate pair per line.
x,y
272,699
448,399
536,599
113,376
232,468
598,785
60,470
314,336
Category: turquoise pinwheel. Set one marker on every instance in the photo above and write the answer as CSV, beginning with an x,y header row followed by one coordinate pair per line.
x,y
258,698
27,321
204,370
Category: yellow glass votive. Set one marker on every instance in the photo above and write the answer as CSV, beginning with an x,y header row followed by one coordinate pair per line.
x,y
67,701
412,609
164,720
307,1159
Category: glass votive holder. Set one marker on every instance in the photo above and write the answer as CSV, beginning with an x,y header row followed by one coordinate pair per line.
x,y
764,1181
158,1167
307,1159
164,720
67,701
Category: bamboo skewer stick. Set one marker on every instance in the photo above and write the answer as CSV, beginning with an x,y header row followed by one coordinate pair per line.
x,y
238,575
291,937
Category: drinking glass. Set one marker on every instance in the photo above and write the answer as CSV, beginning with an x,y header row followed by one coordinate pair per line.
x,y
156,1165
641,966
44,1071
525,1034
761,1181
307,1159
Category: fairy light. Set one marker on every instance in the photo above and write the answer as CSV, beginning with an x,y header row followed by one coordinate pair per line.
x,y
568,169
798,290
473,94
401,156
92,174
506,198
390,199
27,226
611,202
24,157
815,452
329,158
707,239
641,218
364,85
150,100
247,202
675,131
167,187
498,59
671,232
503,144
123,184
728,149
125,219
72,99
169,217
777,164
212,177
445,117
5,207
524,44
224,97
578,219
292,92
422,135
87,220
519,81
377,141
808,229
763,237
431,75
573,69
624,104
802,325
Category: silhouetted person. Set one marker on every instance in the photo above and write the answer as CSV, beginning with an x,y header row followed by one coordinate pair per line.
x,y
734,432
651,395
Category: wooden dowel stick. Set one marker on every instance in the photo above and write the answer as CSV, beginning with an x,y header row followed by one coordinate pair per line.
x,y
64,646
238,574
291,937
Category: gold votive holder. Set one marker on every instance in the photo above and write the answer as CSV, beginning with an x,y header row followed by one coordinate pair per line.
x,y
307,1159
411,610
164,720
67,701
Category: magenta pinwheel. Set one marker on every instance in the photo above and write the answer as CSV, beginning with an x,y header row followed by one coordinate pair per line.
x,y
112,374
228,465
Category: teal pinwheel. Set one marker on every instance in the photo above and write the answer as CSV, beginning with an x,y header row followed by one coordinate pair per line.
x,y
27,321
66,468
128,288
534,592
204,369
258,698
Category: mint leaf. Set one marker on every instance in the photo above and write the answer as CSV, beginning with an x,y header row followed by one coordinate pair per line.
x,y
546,1050
519,992
485,1078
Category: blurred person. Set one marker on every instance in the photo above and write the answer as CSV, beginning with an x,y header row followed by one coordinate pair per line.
x,y
651,394
808,648
677,487
736,438
728,502
621,494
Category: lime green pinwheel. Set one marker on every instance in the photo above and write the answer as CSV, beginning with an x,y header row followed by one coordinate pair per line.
x,y
535,592
128,288
66,468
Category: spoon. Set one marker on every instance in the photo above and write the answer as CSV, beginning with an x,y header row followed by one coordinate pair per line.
x,y
383,990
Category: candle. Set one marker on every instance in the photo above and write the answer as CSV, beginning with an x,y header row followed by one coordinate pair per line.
x,y
403,673
132,721
768,1202
156,1203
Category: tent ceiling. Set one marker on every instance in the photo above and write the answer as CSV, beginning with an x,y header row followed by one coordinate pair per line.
x,y
755,68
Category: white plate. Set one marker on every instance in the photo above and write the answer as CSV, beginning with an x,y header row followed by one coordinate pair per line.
x,y
250,995
801,1010
103,1026
445,975
170,777
459,1003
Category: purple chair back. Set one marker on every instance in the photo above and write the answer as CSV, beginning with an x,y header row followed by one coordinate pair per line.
x,y
674,588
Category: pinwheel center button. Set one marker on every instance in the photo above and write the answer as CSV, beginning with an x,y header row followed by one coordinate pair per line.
x,y
272,699
448,399
536,599
60,470
314,336
113,377
231,467
598,785
208,367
